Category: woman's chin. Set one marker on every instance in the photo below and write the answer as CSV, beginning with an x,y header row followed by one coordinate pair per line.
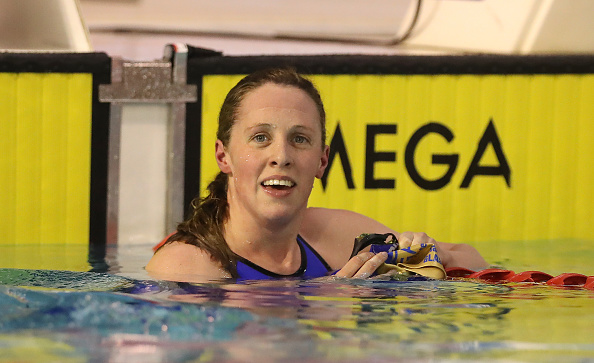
x,y
281,214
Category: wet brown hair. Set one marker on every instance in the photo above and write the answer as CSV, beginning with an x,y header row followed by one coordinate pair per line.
x,y
205,226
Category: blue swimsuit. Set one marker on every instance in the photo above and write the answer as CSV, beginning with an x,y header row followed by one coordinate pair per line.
x,y
312,265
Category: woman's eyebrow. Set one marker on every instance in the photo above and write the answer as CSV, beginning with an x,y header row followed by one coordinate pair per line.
x,y
260,125
301,127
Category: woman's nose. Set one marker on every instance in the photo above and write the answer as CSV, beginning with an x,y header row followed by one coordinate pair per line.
x,y
281,154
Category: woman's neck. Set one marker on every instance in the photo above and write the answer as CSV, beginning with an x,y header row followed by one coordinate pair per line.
x,y
268,243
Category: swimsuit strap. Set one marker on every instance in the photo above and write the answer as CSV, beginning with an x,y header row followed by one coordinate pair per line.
x,y
316,265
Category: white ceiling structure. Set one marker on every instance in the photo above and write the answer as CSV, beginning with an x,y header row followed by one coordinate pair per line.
x,y
139,29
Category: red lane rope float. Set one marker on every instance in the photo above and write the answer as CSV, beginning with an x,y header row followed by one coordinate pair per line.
x,y
531,276
568,279
492,275
500,275
590,283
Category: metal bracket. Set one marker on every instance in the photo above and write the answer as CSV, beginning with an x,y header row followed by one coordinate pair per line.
x,y
156,81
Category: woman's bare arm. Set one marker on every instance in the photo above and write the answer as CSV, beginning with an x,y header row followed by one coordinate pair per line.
x,y
460,255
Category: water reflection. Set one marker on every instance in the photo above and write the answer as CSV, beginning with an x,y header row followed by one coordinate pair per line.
x,y
381,311
426,319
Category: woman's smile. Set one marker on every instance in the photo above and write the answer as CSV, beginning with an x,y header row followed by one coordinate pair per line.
x,y
278,187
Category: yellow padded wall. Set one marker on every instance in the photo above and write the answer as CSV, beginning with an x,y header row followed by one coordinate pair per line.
x,y
45,158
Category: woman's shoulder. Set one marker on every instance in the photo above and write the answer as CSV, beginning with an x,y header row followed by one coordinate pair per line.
x,y
324,215
179,261
335,221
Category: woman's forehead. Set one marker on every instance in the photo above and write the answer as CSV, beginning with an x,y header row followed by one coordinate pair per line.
x,y
273,97
274,118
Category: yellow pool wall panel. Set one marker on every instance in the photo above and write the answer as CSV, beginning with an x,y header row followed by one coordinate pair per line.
x,y
535,132
46,155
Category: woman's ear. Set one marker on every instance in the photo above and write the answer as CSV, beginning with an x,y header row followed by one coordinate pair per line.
x,y
222,157
323,162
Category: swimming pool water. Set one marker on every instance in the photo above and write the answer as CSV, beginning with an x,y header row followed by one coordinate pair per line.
x,y
122,315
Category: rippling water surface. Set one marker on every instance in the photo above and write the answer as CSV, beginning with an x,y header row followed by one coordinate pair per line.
x,y
121,315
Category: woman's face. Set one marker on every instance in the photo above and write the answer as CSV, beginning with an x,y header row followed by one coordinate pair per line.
x,y
275,152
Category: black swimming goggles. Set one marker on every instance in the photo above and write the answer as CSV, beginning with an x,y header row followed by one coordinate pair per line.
x,y
379,242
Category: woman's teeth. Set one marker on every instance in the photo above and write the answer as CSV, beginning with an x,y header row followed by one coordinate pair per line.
x,y
276,182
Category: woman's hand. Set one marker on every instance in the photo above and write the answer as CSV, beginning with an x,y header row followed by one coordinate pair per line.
x,y
362,265
450,254
407,239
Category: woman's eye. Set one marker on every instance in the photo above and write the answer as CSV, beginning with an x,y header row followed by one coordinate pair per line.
x,y
260,138
300,139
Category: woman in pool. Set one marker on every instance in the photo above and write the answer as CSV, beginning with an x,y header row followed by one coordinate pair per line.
x,y
255,222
